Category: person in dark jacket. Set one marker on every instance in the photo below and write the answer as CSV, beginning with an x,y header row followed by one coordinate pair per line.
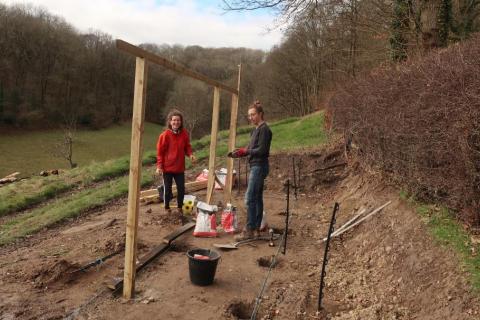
x,y
172,147
258,151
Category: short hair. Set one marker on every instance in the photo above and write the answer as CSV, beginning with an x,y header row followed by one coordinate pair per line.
x,y
257,105
173,113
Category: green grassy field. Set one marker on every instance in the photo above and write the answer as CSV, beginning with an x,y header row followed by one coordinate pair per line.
x,y
30,152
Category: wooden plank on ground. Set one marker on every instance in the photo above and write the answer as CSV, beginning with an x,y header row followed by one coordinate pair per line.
x,y
155,252
139,52
149,192
174,235
213,144
138,117
189,187
10,178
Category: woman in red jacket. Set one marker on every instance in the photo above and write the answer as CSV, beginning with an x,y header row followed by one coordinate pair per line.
x,y
172,147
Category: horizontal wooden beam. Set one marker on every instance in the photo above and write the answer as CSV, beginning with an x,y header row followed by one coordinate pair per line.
x,y
152,57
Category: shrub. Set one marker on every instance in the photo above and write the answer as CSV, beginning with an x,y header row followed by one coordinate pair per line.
x,y
419,122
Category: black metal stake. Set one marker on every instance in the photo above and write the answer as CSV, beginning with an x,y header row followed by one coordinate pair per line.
x,y
325,256
294,178
287,218
299,165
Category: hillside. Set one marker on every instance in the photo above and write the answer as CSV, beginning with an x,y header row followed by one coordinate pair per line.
x,y
398,264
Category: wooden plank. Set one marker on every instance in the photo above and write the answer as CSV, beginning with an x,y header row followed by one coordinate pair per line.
x,y
150,192
135,176
213,144
189,187
117,284
155,252
232,136
139,52
174,235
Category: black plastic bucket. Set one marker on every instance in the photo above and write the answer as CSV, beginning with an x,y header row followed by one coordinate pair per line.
x,y
202,272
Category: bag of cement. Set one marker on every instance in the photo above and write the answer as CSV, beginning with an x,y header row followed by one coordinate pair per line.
x,y
229,219
206,224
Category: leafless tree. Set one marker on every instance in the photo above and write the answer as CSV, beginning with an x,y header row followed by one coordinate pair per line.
x,y
64,147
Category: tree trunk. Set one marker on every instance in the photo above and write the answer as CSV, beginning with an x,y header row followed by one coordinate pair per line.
x,y
430,27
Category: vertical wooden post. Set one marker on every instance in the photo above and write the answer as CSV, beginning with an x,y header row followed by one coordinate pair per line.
x,y
231,141
135,177
213,144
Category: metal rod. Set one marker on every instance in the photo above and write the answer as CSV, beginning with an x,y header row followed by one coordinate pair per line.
x,y
287,218
294,178
325,256
258,300
299,165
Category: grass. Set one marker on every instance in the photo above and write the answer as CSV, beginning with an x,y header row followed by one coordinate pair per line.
x,y
55,212
450,233
23,194
30,152
93,191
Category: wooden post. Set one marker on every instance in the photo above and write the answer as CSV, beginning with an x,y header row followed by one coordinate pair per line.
x,y
231,141
213,144
135,177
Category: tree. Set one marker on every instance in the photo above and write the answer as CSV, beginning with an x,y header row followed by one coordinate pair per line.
x,y
288,10
192,97
64,147
400,30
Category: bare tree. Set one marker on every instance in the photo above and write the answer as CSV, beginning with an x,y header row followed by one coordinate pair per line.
x,y
64,147
288,10
192,98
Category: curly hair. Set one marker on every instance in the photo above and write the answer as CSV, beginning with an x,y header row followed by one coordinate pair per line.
x,y
171,114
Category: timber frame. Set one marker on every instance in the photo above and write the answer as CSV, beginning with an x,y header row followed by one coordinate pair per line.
x,y
143,58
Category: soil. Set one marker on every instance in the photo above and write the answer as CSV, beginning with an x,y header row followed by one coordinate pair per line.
x,y
387,267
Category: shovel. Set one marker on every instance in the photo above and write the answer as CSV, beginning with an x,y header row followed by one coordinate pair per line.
x,y
235,245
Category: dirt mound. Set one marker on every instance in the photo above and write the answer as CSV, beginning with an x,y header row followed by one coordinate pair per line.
x,y
54,273
314,170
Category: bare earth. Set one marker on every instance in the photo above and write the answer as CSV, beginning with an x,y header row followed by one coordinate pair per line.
x,y
388,267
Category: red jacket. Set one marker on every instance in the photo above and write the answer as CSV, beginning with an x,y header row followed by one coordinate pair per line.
x,y
172,149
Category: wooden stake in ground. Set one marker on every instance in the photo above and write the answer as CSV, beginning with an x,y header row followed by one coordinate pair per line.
x,y
213,144
227,192
136,156
135,177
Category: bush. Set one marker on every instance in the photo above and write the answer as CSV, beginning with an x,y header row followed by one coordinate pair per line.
x,y
420,123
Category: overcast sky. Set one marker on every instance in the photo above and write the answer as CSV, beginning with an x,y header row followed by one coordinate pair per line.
x,y
185,22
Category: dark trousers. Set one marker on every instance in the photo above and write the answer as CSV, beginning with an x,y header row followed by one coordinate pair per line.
x,y
167,184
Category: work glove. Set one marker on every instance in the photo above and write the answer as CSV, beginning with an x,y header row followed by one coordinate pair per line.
x,y
238,153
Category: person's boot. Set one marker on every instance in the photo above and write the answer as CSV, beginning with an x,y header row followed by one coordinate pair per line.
x,y
256,234
245,235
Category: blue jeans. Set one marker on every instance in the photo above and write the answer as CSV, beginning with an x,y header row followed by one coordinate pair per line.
x,y
254,195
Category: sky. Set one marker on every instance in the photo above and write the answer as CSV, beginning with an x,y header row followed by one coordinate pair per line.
x,y
184,22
